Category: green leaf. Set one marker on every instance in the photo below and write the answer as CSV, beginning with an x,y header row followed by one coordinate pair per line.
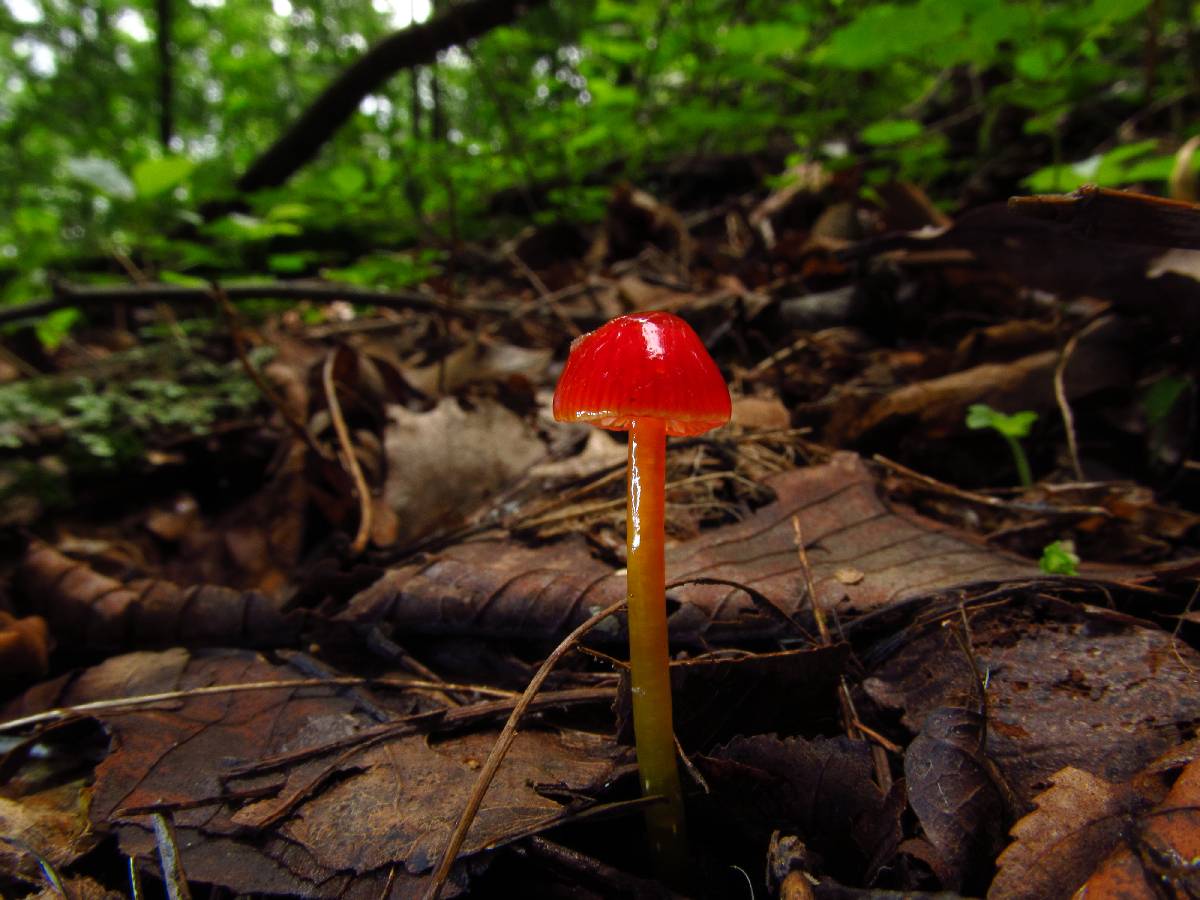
x,y
1160,397
153,177
288,263
1039,61
1059,558
288,212
890,131
1017,425
102,174
348,181
52,329
182,279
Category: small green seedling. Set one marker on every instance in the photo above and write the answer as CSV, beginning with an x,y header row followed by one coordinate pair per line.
x,y
1011,428
1059,558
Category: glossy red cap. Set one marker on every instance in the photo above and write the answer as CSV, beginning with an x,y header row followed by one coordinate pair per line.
x,y
644,365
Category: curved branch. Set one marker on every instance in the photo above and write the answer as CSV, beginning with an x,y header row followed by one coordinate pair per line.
x,y
413,46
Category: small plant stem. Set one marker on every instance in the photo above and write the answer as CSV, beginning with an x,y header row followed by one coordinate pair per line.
x,y
648,658
1022,461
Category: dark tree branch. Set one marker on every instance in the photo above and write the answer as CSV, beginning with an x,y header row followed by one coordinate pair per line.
x,y
413,46
166,88
320,291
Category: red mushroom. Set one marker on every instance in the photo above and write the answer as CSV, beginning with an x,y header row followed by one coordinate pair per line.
x,y
647,374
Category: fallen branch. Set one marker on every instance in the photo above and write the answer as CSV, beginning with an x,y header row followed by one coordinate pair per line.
x,y
321,291
73,295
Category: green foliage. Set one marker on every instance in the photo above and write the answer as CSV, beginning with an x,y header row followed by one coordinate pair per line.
x,y
1059,558
1010,427
539,107
389,270
104,423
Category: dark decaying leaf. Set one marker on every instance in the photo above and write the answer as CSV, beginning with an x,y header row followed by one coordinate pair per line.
x,y
1064,688
499,589
821,790
1077,820
954,792
351,801
88,609
716,697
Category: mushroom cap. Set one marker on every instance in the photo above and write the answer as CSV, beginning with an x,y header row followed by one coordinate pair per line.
x,y
643,365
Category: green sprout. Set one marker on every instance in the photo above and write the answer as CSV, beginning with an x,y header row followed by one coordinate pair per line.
x,y
1011,428
1059,558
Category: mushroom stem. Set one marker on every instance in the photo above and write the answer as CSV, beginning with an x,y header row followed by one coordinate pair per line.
x,y
648,657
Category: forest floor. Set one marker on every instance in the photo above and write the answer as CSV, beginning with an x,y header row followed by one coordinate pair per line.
x,y
262,633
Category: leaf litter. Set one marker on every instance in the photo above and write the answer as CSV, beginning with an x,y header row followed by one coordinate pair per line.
x,y
958,701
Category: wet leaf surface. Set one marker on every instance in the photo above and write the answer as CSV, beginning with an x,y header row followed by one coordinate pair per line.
x,y
1064,688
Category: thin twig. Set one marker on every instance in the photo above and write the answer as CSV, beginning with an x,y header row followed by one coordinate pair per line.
x,y
543,292
818,613
994,502
1060,393
501,747
349,458
850,719
121,703
221,296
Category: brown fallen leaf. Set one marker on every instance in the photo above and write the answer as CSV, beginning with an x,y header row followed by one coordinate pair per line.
x,y
24,646
78,888
1161,858
479,361
1076,822
445,462
760,412
306,791
499,588
87,609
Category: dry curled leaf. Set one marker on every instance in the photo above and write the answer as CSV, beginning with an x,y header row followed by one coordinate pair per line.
x,y
86,608
24,646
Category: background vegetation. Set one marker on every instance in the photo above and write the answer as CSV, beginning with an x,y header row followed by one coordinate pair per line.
x,y
124,126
